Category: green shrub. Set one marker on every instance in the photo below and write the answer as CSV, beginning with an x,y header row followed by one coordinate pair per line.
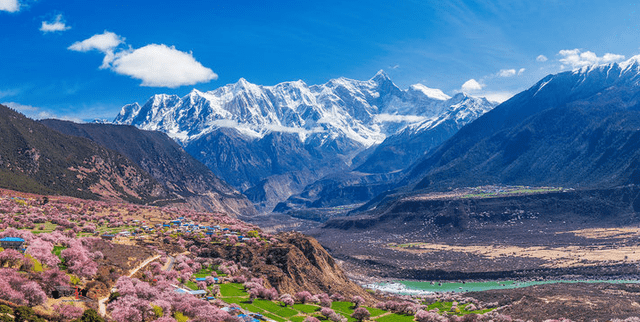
x,y
180,317
157,311
90,315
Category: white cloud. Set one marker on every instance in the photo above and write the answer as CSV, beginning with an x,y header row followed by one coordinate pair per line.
x,y
161,66
9,5
542,58
9,92
507,72
471,85
575,58
105,42
521,71
57,25
155,65
398,118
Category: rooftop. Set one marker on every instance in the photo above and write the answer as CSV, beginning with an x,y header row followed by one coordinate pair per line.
x,y
12,239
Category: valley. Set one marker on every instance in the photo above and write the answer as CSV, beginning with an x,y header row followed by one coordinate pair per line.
x,y
579,233
541,188
314,161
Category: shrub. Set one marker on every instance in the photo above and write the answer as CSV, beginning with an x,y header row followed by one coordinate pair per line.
x,y
90,315
5,309
180,317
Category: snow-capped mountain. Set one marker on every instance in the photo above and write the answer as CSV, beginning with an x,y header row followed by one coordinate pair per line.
x,y
403,148
248,133
363,111
577,128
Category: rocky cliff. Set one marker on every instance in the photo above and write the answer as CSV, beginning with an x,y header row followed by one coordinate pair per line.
x,y
298,263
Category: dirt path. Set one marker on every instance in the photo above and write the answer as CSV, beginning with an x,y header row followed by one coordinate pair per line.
x,y
101,303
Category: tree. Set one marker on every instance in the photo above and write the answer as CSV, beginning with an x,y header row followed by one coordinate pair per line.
x,y
429,316
303,296
337,297
90,315
287,300
11,258
42,251
26,314
68,312
327,312
324,299
33,293
357,300
77,259
360,314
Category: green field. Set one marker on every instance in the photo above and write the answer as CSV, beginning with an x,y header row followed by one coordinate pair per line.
x,y
234,293
46,227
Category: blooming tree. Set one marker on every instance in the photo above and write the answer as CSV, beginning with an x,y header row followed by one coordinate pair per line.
x,y
360,314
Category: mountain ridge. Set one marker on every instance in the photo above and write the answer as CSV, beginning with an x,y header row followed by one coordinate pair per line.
x,y
161,157
34,158
319,128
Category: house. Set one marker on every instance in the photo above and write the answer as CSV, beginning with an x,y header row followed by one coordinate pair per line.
x,y
12,242
247,318
258,316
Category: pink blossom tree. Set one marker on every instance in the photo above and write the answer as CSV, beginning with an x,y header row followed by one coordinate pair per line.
x,y
429,316
51,278
42,251
303,296
67,312
360,314
357,300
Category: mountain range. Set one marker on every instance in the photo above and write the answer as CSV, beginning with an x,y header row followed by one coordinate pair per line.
x,y
578,128
35,158
273,141
181,175
108,162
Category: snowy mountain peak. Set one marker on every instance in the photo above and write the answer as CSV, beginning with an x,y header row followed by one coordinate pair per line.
x,y
381,77
361,112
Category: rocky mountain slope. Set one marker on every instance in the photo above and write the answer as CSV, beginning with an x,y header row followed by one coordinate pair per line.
x,y
577,128
35,158
272,141
297,264
377,169
178,172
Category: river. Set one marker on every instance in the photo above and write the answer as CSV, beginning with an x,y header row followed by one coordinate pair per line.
x,y
421,288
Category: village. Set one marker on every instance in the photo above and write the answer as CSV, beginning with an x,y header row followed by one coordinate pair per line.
x,y
65,259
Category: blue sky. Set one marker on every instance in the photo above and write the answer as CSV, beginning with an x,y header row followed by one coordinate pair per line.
x,y
81,60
